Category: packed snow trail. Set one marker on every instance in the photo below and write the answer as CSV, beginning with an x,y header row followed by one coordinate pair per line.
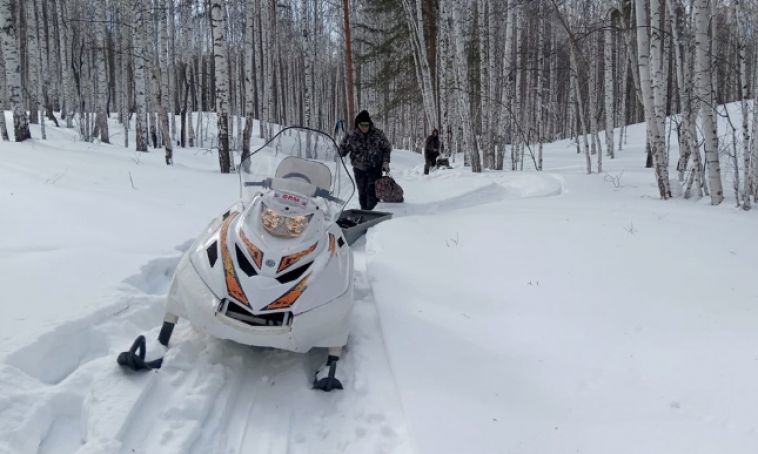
x,y
211,396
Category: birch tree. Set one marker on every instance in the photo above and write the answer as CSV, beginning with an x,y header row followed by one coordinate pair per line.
x,y
464,105
703,73
138,40
3,127
101,70
222,90
13,71
649,87
609,86
249,72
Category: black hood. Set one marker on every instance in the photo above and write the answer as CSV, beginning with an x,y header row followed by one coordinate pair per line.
x,y
361,117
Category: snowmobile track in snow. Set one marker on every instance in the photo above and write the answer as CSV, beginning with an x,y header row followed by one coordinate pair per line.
x,y
67,395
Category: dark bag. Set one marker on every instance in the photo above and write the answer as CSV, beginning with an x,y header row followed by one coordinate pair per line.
x,y
387,190
443,163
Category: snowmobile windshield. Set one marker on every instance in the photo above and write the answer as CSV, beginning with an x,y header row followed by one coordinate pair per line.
x,y
300,161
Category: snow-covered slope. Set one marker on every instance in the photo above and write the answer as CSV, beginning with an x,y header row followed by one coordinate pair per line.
x,y
505,312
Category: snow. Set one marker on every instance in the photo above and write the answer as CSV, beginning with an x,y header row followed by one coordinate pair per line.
x,y
518,312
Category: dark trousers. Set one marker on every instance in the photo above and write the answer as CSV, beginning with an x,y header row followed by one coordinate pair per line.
x,y
431,161
365,180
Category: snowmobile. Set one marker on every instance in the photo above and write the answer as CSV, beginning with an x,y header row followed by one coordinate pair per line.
x,y
275,269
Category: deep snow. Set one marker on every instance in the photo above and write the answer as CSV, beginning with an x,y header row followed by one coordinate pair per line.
x,y
505,312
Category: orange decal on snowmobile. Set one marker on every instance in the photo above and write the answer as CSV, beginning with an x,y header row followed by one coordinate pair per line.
x,y
291,259
233,285
289,298
254,252
332,244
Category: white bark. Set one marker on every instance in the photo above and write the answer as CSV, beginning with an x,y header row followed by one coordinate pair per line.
x,y
484,110
754,157
249,81
703,73
171,106
222,82
101,101
745,125
540,89
578,97
13,71
415,20
123,36
654,132
42,78
609,89
140,97
308,69
33,73
505,117
3,104
68,81
554,134
162,99
493,110
592,68
461,71
519,136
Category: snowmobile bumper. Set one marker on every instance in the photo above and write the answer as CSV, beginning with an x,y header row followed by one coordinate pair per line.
x,y
324,326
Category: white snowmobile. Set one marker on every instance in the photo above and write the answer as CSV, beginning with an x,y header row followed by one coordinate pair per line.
x,y
275,270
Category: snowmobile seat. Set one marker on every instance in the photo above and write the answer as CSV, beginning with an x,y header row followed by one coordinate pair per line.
x,y
302,175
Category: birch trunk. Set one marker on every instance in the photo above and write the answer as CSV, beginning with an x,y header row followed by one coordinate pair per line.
x,y
101,69
540,88
484,110
554,106
609,89
308,68
655,135
140,98
505,116
3,104
578,96
415,20
519,137
120,67
13,71
28,46
744,95
249,71
162,100
754,157
592,67
703,73
66,63
469,139
42,75
222,90
171,107
348,49
443,73
491,130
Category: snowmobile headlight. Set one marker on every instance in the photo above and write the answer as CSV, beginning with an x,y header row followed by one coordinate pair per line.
x,y
296,224
280,225
271,219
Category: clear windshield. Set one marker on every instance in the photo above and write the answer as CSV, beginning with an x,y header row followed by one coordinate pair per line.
x,y
302,161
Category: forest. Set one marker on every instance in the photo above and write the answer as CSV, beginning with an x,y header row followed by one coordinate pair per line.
x,y
498,78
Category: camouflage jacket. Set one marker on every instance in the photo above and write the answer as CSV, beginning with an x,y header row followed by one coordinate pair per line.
x,y
367,151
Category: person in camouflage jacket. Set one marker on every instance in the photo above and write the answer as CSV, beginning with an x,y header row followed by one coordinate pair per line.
x,y
369,152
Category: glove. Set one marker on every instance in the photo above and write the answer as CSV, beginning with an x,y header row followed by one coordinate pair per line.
x,y
386,166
